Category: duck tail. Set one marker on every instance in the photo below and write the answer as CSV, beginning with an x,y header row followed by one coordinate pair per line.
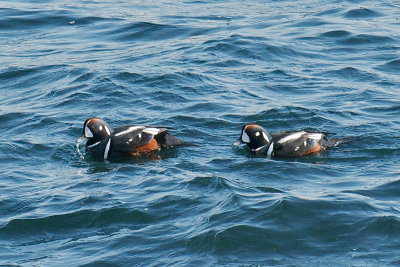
x,y
165,139
338,141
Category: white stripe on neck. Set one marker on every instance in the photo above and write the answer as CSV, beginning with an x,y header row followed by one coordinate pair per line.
x,y
259,148
95,144
270,149
107,149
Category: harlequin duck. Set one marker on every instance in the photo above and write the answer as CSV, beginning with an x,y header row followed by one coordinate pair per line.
x,y
105,142
283,144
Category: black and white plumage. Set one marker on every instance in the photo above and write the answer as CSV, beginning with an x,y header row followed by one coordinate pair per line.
x,y
105,142
283,144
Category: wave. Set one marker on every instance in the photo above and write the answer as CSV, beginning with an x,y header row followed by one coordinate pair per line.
x,y
146,31
352,74
362,12
392,66
26,228
290,226
367,39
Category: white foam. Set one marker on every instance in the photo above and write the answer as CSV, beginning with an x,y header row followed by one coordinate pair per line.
x,y
79,152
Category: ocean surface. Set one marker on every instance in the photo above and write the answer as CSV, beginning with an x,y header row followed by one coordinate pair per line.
x,y
203,68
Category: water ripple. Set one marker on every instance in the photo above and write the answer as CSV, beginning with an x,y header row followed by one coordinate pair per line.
x,y
203,69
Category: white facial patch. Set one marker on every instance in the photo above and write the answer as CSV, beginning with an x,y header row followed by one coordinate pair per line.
x,y
265,137
245,137
257,133
101,127
88,132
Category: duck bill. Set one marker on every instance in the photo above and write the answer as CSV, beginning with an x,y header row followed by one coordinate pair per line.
x,y
81,139
238,142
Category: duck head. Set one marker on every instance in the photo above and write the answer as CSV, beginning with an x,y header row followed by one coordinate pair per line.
x,y
254,136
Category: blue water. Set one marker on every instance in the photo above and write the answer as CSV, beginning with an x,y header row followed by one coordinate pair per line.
x,y
204,68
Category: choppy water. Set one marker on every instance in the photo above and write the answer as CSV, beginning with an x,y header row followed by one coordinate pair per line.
x,y
204,68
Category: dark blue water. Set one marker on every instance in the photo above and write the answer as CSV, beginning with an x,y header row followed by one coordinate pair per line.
x,y
204,68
